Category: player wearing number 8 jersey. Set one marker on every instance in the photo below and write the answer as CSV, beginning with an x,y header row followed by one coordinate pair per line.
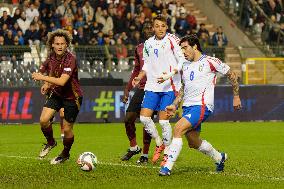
x,y
161,54
199,78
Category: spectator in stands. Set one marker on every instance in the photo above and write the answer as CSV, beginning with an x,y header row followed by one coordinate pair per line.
x,y
73,7
20,37
272,7
111,37
32,36
100,38
219,39
273,35
191,20
95,29
136,39
4,29
157,8
131,8
204,40
62,9
9,38
146,10
202,29
88,12
124,38
15,29
43,33
80,38
79,22
16,16
2,42
31,12
6,19
24,23
182,27
107,21
121,50
16,41
119,23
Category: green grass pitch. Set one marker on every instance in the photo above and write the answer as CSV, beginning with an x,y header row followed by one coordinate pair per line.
x,y
255,150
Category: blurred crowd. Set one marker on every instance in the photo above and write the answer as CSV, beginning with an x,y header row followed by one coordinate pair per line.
x,y
97,22
263,18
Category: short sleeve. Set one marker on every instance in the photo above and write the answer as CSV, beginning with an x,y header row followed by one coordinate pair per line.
x,y
217,65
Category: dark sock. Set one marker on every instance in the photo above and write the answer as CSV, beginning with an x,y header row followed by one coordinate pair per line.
x,y
67,142
131,133
48,133
146,142
61,125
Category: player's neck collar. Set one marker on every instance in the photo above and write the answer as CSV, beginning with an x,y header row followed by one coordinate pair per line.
x,y
155,37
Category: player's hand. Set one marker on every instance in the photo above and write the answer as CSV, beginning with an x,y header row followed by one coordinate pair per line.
x,y
162,78
44,88
171,110
237,103
37,76
125,96
135,81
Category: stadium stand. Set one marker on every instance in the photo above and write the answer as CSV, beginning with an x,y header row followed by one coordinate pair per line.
x,y
105,32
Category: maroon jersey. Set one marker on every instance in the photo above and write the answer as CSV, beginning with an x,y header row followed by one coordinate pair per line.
x,y
137,67
66,65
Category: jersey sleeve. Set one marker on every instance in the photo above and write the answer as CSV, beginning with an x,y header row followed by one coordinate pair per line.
x,y
177,51
44,67
145,57
218,66
69,66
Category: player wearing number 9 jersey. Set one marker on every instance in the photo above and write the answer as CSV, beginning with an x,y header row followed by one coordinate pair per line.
x,y
161,54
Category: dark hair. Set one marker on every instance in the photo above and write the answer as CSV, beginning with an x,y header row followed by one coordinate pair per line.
x,y
192,40
160,18
146,23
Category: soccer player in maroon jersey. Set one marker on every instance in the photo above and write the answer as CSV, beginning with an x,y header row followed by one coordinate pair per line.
x,y
65,92
133,110
44,69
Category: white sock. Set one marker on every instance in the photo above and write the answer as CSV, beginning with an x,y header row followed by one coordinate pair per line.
x,y
166,151
207,149
174,151
150,128
134,148
145,155
166,131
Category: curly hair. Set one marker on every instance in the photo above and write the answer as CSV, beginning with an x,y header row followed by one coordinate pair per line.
x,y
58,33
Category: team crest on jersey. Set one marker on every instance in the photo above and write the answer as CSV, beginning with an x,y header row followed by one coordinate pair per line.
x,y
201,67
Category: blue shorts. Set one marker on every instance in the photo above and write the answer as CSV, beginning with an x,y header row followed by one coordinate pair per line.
x,y
195,115
158,101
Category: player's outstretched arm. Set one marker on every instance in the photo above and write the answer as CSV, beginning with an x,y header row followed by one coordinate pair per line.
x,y
57,81
233,78
170,110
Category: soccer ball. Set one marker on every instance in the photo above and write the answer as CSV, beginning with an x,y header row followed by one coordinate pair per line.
x,y
87,161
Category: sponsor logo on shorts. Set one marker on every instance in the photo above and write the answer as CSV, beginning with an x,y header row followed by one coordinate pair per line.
x,y
188,115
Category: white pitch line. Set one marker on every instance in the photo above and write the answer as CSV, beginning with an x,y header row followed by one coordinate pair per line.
x,y
99,162
155,167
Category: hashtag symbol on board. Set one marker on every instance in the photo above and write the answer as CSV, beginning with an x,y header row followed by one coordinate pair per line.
x,y
104,103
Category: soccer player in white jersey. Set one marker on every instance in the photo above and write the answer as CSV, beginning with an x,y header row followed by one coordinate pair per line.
x,y
197,93
161,53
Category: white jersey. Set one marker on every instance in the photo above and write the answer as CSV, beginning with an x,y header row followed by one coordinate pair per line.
x,y
199,80
160,56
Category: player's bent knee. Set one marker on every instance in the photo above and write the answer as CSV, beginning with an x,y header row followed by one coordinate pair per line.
x,y
178,131
145,120
44,121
